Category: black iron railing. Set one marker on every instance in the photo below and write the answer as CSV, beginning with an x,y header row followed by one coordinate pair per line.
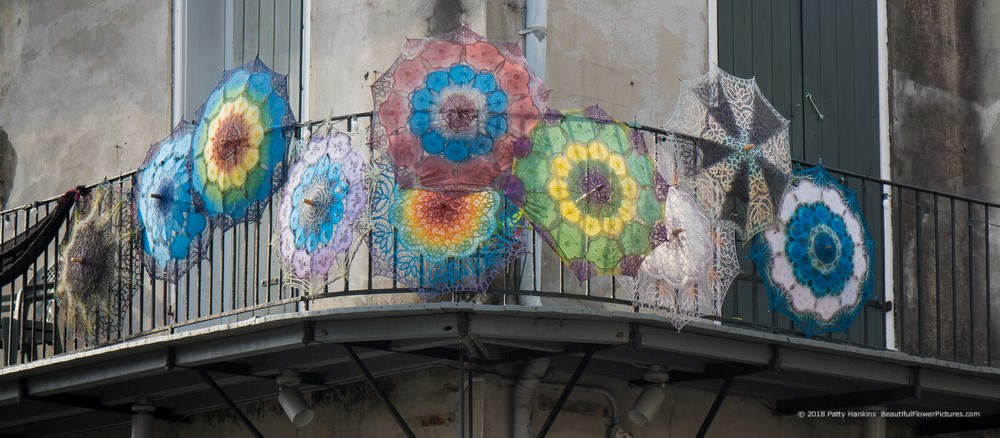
x,y
939,246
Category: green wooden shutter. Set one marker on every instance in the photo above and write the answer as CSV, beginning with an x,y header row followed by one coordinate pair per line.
x,y
827,50
270,29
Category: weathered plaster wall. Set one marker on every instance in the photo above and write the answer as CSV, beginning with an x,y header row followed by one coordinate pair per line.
x,y
625,56
76,79
945,95
427,399
944,103
354,42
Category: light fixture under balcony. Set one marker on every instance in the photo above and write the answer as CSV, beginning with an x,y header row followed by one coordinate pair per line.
x,y
291,400
651,399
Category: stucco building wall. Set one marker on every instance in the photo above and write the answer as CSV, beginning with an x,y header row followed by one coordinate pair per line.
x,y
427,399
353,43
944,96
78,79
626,57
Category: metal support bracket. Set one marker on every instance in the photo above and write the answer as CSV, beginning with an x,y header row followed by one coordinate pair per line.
x,y
381,392
461,386
308,333
232,405
447,353
246,370
723,392
566,391
463,325
171,359
92,403
716,371
634,337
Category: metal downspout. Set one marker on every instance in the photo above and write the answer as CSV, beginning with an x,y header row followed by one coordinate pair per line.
x,y
596,390
534,370
524,393
874,427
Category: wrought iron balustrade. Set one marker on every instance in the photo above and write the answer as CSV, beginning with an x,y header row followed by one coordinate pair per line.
x,y
938,247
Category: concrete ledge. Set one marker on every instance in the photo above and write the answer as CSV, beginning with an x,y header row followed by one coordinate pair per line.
x,y
530,327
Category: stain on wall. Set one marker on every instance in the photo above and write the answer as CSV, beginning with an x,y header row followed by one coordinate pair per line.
x,y
944,102
625,56
13,33
76,79
945,95
445,16
354,43
8,167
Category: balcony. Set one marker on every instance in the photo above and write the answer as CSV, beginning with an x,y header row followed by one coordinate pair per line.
x,y
230,315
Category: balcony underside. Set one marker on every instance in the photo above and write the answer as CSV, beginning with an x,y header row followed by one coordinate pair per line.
x,y
95,388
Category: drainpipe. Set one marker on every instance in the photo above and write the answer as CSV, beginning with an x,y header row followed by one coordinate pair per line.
x,y
885,172
534,370
614,429
179,16
524,392
535,19
305,73
874,427
142,419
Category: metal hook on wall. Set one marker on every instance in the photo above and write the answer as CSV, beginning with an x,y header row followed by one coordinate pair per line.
x,y
810,97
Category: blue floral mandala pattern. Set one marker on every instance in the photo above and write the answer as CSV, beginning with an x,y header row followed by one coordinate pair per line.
x,y
818,243
817,264
173,227
448,112
459,113
321,184
320,209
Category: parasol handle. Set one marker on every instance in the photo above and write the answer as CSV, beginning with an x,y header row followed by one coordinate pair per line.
x,y
677,231
76,259
601,186
309,201
462,111
157,196
748,147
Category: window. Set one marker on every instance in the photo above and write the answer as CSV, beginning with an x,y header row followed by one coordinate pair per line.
x,y
811,57
215,35
210,37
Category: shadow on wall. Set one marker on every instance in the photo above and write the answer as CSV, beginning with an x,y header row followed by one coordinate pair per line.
x,y
446,16
8,167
